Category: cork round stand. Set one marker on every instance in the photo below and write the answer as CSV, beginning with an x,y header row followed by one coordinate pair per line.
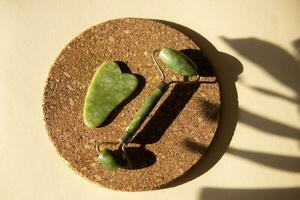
x,y
174,136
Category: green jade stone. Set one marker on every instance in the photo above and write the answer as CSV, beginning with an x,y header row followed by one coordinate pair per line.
x,y
143,112
178,62
108,88
108,159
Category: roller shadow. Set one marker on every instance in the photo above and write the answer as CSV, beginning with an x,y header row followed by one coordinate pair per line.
x,y
166,113
139,157
250,194
141,84
227,69
174,103
205,67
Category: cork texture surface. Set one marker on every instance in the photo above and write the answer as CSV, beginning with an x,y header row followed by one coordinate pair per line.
x,y
163,148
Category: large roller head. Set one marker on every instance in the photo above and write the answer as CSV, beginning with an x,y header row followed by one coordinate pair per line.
x,y
178,62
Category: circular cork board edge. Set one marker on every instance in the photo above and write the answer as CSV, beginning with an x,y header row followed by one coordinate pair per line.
x,y
73,140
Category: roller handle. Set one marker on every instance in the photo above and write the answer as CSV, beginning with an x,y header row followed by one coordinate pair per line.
x,y
143,112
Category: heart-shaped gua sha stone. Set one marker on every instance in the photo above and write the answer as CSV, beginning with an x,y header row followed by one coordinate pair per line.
x,y
108,88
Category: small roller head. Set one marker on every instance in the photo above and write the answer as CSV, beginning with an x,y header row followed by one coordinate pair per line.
x,y
108,159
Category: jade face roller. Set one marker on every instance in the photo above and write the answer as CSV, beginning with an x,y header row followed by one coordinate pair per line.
x,y
178,63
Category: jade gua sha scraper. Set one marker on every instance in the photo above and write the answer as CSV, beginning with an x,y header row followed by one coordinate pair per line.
x,y
108,88
99,104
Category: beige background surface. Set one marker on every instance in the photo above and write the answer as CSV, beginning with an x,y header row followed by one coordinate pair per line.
x,y
263,157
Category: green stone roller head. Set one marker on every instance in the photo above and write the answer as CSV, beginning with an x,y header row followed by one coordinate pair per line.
x,y
177,62
108,158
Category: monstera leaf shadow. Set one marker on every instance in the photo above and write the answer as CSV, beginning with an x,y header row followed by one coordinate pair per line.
x,y
283,67
211,193
282,162
274,60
